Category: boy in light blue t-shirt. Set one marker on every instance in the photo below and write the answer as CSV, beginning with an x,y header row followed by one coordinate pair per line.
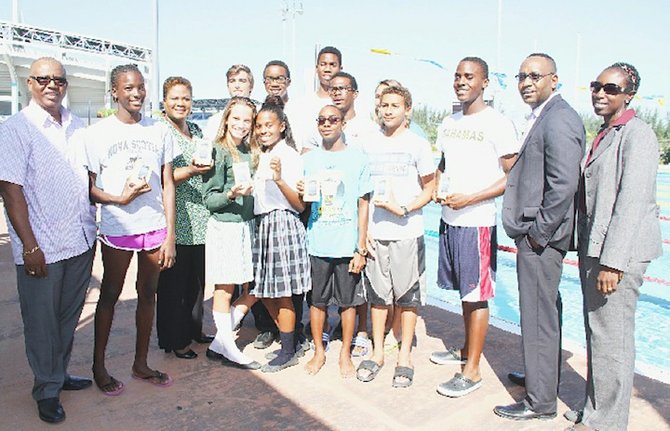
x,y
337,179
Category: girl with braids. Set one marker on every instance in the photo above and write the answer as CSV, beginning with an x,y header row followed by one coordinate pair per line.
x,y
129,160
231,226
282,269
619,234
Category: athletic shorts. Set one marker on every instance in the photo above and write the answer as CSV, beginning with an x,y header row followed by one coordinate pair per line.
x,y
333,284
140,242
397,272
467,261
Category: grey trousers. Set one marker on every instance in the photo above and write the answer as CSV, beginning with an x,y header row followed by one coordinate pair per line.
x,y
50,308
610,344
539,275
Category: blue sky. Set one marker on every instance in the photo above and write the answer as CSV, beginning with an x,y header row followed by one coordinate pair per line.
x,y
200,39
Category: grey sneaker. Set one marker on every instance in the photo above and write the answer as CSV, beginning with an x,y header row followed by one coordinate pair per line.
x,y
267,368
458,386
264,340
299,352
574,416
451,356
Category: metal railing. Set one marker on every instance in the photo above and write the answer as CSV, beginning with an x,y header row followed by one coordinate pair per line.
x,y
27,34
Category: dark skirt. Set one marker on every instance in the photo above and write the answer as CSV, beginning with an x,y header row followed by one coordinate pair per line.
x,y
281,263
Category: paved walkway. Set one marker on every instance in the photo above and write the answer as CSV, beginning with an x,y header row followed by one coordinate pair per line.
x,y
209,396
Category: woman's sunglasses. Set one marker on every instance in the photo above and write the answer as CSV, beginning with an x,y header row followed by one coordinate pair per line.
x,y
611,89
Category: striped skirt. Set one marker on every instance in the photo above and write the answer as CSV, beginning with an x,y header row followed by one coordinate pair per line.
x,y
281,263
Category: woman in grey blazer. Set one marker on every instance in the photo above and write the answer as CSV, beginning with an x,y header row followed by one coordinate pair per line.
x,y
619,234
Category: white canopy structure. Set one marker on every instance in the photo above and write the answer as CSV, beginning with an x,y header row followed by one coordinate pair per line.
x,y
88,61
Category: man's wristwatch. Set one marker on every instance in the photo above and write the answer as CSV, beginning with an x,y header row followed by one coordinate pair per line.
x,y
362,251
405,213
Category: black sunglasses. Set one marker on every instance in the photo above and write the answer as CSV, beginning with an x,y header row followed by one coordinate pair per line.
x,y
609,88
332,120
45,80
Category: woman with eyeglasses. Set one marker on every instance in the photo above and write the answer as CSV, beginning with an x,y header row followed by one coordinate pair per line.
x,y
180,288
619,234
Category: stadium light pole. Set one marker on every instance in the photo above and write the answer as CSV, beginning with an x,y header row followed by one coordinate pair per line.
x,y
155,84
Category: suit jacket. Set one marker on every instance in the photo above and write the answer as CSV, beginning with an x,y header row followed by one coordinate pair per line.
x,y
541,187
621,221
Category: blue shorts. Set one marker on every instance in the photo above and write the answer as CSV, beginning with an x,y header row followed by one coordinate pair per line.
x,y
467,261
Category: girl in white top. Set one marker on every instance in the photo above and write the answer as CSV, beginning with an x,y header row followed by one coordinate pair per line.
x,y
282,268
130,169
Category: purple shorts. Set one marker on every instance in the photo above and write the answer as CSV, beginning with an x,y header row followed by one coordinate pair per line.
x,y
143,241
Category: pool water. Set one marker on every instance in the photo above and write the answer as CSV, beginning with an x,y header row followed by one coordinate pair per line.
x,y
653,313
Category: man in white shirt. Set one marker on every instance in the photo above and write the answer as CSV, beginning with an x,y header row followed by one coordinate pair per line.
x,y
478,146
44,186
343,92
328,64
240,83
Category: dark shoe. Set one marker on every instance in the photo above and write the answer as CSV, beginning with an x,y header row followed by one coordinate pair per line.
x,y
204,339
518,378
51,410
264,340
189,354
299,352
253,365
211,354
574,416
76,383
519,412
267,368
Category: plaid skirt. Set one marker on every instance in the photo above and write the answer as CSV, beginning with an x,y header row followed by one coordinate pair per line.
x,y
281,263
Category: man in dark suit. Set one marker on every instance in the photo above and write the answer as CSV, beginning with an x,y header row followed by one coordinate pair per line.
x,y
538,213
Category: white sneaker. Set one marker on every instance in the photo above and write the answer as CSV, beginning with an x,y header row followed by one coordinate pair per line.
x,y
451,356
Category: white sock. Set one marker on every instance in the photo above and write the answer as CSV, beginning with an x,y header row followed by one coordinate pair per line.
x,y
236,315
217,344
229,348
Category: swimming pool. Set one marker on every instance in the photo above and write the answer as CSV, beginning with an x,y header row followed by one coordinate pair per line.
x,y
653,313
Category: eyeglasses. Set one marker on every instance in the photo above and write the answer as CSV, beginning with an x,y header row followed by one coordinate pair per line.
x,y
333,90
331,120
534,77
280,79
609,88
45,80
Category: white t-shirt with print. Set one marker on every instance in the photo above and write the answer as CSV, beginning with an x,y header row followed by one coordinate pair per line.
x,y
113,150
267,196
402,160
472,146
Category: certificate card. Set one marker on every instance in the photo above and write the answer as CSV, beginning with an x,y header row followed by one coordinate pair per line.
x,y
443,187
382,192
203,152
264,172
241,173
312,190
141,170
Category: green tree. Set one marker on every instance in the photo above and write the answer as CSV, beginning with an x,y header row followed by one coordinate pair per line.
x,y
429,120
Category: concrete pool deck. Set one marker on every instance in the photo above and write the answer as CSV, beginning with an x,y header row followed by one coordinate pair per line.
x,y
207,395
